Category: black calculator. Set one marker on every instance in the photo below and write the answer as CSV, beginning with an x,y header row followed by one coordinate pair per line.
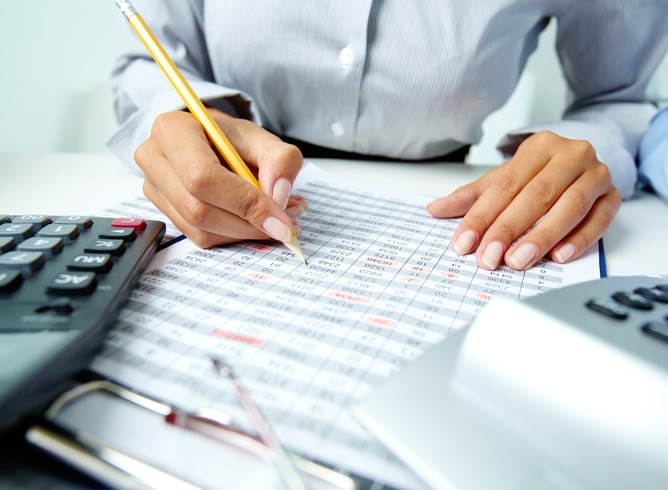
x,y
63,279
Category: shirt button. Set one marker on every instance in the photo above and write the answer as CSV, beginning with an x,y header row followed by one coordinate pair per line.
x,y
347,56
337,129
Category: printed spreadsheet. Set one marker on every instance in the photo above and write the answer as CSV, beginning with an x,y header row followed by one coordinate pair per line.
x,y
308,341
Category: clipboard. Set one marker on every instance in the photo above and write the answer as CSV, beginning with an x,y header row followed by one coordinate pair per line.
x,y
163,451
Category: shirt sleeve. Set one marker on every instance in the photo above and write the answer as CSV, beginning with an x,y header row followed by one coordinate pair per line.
x,y
653,154
609,52
142,92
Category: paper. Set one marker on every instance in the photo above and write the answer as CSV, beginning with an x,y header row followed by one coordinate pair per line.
x,y
144,208
309,341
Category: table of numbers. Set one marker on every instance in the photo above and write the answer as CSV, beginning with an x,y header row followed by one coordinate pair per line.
x,y
309,340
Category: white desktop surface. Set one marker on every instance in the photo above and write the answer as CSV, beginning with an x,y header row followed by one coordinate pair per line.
x,y
85,183
88,183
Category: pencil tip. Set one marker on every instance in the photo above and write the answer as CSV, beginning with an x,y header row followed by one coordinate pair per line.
x,y
293,245
217,363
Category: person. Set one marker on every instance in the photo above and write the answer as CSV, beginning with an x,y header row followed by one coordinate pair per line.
x,y
653,154
399,80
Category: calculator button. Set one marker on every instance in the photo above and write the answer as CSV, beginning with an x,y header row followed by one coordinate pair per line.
x,y
68,232
137,223
74,283
656,329
91,262
37,220
10,280
20,231
653,294
7,243
125,234
61,306
26,262
608,307
48,246
53,315
633,300
104,245
81,222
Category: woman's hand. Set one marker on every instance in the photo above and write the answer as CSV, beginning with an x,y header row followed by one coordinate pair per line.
x,y
185,179
554,183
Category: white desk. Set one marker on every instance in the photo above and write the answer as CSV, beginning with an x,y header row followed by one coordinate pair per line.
x,y
85,183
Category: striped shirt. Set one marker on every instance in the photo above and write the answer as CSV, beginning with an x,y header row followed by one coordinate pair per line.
x,y
400,78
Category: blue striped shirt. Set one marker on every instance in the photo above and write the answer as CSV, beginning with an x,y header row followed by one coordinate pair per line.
x,y
401,78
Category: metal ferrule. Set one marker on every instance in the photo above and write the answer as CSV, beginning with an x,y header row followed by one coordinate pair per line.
x,y
126,7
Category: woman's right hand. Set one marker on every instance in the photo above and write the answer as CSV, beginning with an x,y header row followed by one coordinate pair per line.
x,y
211,205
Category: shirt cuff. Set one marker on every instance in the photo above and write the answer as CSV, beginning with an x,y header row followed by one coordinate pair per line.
x,y
653,155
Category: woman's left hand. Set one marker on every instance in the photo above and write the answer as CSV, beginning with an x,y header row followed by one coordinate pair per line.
x,y
554,183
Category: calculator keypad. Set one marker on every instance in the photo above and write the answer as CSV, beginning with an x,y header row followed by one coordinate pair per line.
x,y
621,303
28,242
63,280
625,315
45,257
10,280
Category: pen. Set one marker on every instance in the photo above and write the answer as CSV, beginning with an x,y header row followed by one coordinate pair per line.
x,y
284,461
218,426
194,104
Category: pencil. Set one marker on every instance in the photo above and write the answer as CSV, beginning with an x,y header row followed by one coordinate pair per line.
x,y
194,104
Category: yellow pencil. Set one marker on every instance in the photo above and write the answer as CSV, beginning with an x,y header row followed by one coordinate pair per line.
x,y
194,104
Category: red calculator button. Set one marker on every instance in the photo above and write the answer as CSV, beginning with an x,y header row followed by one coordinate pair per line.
x,y
137,223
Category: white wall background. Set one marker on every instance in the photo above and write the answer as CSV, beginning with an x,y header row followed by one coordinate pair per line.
x,y
56,59
57,56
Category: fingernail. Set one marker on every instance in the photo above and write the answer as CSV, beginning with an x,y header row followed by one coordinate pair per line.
x,y
281,194
464,242
276,229
294,211
522,255
564,253
298,201
492,256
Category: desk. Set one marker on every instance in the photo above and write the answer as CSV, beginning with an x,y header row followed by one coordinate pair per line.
x,y
85,183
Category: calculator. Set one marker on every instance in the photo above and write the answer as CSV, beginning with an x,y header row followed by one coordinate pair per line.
x,y
63,279
566,389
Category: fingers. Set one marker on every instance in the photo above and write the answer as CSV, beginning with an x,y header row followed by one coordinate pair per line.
x,y
280,162
587,232
210,204
540,183
190,226
575,222
455,204
296,206
205,224
553,196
